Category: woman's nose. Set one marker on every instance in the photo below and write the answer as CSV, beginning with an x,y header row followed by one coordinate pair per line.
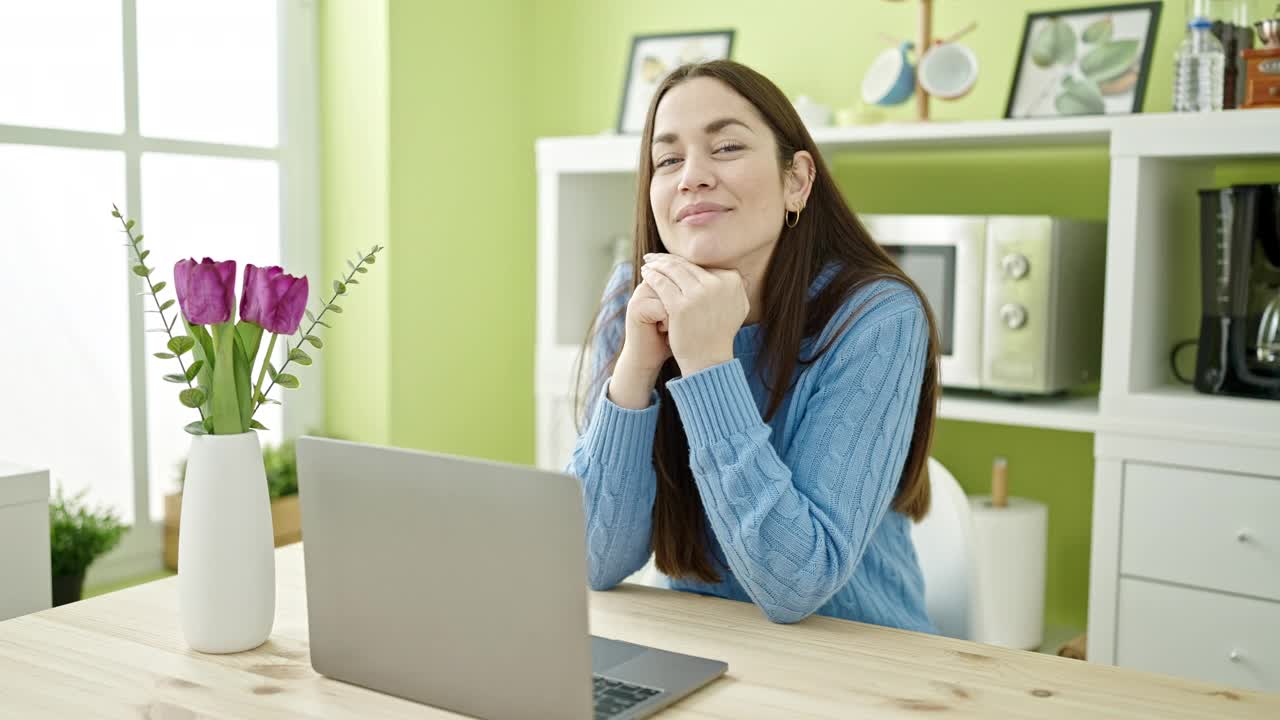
x,y
696,173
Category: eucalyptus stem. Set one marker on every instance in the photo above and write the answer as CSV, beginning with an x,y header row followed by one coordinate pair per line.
x,y
151,290
347,280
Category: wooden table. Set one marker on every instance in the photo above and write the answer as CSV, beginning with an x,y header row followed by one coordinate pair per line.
x,y
122,656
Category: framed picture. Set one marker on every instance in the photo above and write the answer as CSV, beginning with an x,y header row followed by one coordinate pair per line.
x,y
1089,61
653,57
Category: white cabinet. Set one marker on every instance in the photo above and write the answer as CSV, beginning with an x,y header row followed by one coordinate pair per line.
x,y
1185,559
1200,634
24,540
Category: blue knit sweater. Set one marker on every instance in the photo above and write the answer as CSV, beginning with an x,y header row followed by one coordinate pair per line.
x,y
798,507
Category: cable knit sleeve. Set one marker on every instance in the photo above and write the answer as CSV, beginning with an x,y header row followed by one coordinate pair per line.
x,y
613,457
793,529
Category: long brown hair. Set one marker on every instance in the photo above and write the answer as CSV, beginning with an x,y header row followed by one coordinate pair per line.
x,y
827,231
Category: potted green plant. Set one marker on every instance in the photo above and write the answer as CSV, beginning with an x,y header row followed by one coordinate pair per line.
x,y
78,535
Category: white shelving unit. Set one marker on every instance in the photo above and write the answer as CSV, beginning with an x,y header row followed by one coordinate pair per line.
x,y
586,196
1144,422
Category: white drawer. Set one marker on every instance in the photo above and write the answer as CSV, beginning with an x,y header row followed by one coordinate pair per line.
x,y
1198,634
1195,527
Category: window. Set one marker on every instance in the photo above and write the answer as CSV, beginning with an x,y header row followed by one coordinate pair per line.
x,y
198,120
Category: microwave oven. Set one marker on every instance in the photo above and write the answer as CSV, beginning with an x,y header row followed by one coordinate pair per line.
x,y
1018,299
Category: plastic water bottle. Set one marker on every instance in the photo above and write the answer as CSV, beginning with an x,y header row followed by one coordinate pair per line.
x,y
1198,75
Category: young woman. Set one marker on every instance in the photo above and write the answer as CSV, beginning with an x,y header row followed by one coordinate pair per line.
x,y
763,377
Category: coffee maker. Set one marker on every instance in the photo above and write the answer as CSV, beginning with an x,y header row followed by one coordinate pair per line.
x,y
1239,347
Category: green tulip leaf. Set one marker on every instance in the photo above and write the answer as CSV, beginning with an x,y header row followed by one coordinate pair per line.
x,y
141,270
194,370
1109,60
165,356
287,380
1054,44
250,335
159,286
181,344
176,378
1079,98
335,308
225,402
192,397
299,356
316,342
1099,30
196,428
243,368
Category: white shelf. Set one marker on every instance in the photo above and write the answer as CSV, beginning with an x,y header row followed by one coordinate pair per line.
x,y
1077,414
1178,411
1226,134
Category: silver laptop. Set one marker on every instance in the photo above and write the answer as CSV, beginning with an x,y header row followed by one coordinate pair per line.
x,y
462,584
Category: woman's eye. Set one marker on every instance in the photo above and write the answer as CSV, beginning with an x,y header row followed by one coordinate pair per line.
x,y
730,147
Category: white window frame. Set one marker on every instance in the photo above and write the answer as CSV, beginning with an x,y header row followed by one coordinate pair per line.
x,y
297,156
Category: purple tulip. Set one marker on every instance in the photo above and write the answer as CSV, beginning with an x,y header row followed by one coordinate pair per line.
x,y
206,291
272,299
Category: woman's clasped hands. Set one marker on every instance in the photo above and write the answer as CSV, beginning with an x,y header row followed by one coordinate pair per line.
x,y
701,309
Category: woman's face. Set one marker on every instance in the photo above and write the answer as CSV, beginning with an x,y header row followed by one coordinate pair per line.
x,y
717,192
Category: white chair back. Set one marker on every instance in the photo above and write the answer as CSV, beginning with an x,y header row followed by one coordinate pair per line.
x,y
943,546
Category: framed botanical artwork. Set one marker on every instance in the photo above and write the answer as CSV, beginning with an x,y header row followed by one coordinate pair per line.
x,y
1086,61
653,57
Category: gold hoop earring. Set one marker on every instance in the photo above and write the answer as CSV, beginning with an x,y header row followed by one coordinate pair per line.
x,y
786,218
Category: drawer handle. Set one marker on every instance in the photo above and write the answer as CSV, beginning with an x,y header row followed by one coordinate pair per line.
x,y
1243,536
1235,656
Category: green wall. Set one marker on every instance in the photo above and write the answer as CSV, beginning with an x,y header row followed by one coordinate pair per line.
x,y
427,149
354,207
462,222
430,116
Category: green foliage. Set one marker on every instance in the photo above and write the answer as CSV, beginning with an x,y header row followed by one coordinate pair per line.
x,y
281,464
78,534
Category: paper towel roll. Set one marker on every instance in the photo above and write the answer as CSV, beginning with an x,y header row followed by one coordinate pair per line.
x,y
1006,597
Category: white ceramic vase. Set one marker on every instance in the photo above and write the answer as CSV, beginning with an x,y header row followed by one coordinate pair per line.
x,y
226,550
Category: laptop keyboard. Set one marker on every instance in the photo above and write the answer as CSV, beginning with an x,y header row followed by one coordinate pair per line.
x,y
612,697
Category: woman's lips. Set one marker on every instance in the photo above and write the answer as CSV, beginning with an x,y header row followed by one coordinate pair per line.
x,y
704,217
